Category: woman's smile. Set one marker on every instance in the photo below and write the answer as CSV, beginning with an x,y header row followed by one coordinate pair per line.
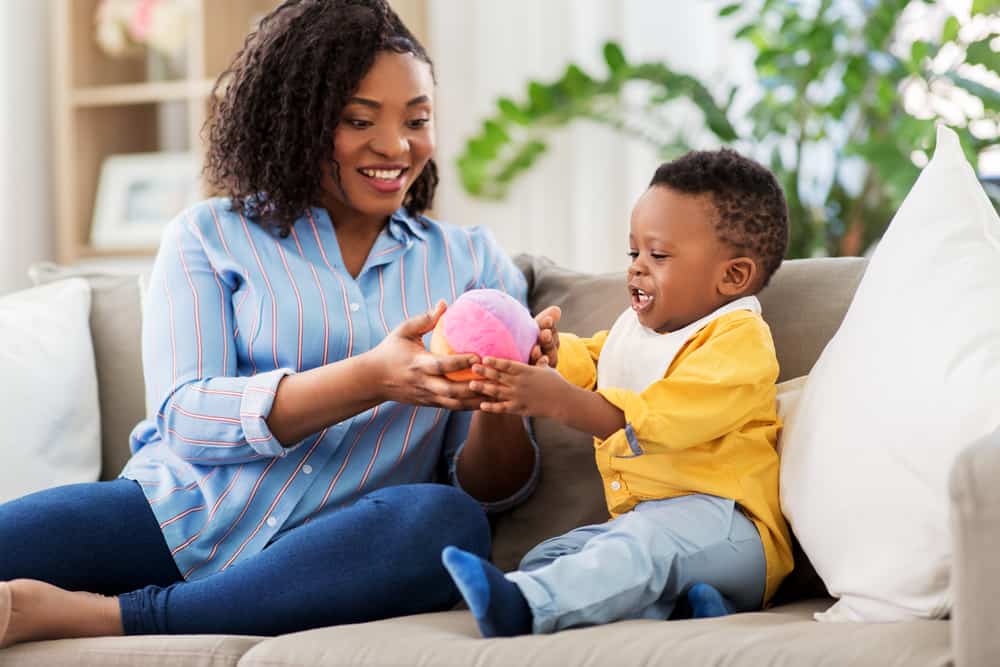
x,y
385,178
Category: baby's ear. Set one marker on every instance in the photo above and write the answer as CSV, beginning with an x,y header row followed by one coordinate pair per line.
x,y
738,276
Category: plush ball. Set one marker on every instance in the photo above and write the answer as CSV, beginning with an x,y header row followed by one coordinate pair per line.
x,y
488,323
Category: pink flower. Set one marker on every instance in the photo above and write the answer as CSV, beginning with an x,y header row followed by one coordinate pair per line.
x,y
141,21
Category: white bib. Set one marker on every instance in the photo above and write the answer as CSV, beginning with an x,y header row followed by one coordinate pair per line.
x,y
634,356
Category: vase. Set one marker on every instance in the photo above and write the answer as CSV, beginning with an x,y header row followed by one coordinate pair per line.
x,y
165,66
172,116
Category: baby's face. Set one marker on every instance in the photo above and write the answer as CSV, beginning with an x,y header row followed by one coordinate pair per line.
x,y
677,259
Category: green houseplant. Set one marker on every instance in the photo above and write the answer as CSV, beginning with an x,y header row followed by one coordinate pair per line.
x,y
834,76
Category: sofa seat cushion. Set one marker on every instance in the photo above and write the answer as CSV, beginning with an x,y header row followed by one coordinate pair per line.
x,y
784,635
149,651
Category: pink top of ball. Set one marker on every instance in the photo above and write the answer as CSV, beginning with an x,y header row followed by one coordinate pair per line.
x,y
490,323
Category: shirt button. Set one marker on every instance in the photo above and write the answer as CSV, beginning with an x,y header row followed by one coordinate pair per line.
x,y
616,485
355,307
307,469
272,522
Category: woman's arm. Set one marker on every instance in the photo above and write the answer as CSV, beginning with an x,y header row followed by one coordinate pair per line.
x,y
204,411
397,369
497,459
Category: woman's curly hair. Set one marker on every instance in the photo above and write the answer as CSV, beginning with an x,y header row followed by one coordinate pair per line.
x,y
281,98
752,213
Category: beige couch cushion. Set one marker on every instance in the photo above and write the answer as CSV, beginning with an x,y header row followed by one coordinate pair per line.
x,y
783,636
153,651
115,327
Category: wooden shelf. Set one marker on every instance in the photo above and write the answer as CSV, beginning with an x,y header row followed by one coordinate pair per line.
x,y
140,93
86,251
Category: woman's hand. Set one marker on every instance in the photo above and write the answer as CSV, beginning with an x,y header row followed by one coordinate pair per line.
x,y
406,372
520,389
548,337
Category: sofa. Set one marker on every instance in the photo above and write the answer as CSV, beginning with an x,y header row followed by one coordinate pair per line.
x,y
804,305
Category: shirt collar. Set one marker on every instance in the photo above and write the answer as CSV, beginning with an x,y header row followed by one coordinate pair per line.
x,y
402,226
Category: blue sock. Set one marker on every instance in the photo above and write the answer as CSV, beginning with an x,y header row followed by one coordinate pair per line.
x,y
707,602
498,605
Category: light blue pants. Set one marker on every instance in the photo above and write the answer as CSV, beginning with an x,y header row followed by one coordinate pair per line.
x,y
639,564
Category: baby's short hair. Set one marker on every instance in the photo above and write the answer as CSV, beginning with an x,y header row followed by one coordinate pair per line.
x,y
752,213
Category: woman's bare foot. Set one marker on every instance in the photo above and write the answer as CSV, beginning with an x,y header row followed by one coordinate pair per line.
x,y
31,610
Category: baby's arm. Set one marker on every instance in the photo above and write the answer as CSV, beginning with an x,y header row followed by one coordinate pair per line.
x,y
536,391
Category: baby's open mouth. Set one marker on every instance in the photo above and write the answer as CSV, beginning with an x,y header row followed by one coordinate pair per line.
x,y
640,300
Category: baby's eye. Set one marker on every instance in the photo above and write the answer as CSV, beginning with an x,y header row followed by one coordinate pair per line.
x,y
633,253
658,255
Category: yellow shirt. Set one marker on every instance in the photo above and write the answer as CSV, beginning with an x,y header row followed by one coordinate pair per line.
x,y
709,426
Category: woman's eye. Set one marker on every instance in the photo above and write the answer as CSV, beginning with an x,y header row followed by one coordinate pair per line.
x,y
358,123
418,123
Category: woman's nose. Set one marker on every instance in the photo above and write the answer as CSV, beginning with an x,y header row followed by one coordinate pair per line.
x,y
389,143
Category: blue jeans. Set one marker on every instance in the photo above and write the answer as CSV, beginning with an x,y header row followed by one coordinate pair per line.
x,y
379,557
640,564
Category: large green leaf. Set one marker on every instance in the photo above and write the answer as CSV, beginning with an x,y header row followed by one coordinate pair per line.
x,y
985,7
949,32
981,53
510,111
615,58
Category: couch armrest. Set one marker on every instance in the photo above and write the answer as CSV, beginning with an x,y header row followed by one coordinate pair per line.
x,y
975,523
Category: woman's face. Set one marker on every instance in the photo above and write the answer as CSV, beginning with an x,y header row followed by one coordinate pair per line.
x,y
383,140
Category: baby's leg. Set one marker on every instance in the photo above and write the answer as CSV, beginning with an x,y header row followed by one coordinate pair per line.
x,y
496,602
643,561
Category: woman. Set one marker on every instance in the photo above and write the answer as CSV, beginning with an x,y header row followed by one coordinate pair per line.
x,y
281,479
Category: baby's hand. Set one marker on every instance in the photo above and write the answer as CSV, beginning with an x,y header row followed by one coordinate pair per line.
x,y
516,388
548,337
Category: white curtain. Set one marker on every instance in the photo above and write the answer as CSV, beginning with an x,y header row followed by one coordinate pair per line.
x,y
26,187
573,206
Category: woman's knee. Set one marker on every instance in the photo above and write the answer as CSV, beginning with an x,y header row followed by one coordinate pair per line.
x,y
448,515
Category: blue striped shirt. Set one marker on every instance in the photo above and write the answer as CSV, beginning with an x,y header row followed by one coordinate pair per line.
x,y
231,308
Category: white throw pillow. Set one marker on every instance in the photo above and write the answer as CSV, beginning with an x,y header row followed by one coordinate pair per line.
x,y
911,378
788,394
49,409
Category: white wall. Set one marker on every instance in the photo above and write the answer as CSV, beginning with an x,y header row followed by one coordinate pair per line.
x,y
574,205
26,187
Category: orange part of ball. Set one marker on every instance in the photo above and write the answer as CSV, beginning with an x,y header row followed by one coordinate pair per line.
x,y
464,375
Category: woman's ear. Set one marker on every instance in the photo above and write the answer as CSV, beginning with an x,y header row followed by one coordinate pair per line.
x,y
738,275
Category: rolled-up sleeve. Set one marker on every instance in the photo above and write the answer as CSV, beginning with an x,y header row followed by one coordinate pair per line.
x,y
204,412
455,434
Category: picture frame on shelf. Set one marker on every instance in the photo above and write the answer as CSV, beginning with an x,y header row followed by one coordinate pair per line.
x,y
138,194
